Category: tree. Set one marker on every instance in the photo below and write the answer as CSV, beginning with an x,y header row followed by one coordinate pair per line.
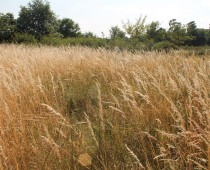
x,y
178,33
68,28
201,37
7,26
208,37
152,31
89,35
162,35
116,32
37,19
136,30
191,31
191,28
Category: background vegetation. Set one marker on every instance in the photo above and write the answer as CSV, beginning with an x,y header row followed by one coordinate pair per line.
x,y
38,24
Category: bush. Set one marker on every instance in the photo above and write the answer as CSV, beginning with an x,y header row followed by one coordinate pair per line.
x,y
24,38
84,41
197,51
165,46
89,42
50,40
5,36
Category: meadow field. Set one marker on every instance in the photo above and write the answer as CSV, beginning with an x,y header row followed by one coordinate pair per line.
x,y
82,108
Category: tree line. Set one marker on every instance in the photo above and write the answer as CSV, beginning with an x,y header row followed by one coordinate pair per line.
x,y
37,23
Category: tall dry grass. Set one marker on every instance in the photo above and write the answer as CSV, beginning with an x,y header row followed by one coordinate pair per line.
x,y
79,108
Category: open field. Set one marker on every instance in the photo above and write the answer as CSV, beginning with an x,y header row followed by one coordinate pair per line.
x,y
79,108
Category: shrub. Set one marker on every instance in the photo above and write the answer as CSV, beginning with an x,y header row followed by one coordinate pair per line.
x,y
24,38
165,46
50,40
83,41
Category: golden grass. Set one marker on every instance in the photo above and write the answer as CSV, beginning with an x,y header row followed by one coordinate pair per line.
x,y
79,108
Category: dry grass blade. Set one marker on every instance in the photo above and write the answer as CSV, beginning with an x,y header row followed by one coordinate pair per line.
x,y
52,111
134,156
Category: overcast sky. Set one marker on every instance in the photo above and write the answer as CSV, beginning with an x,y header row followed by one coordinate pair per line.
x,y
99,15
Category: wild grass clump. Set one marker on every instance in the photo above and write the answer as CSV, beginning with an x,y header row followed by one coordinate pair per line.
x,y
82,108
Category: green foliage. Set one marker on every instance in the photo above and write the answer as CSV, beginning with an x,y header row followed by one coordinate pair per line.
x,y
208,37
136,30
152,31
191,28
201,51
201,37
7,26
84,41
178,33
116,32
68,28
89,35
191,31
162,35
24,38
37,19
89,42
164,46
51,40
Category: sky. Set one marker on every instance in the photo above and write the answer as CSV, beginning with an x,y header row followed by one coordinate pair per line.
x,y
99,16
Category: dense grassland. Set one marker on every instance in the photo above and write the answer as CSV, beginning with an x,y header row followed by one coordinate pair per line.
x,y
79,108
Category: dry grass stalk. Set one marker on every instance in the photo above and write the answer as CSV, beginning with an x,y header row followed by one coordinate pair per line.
x,y
91,130
134,156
